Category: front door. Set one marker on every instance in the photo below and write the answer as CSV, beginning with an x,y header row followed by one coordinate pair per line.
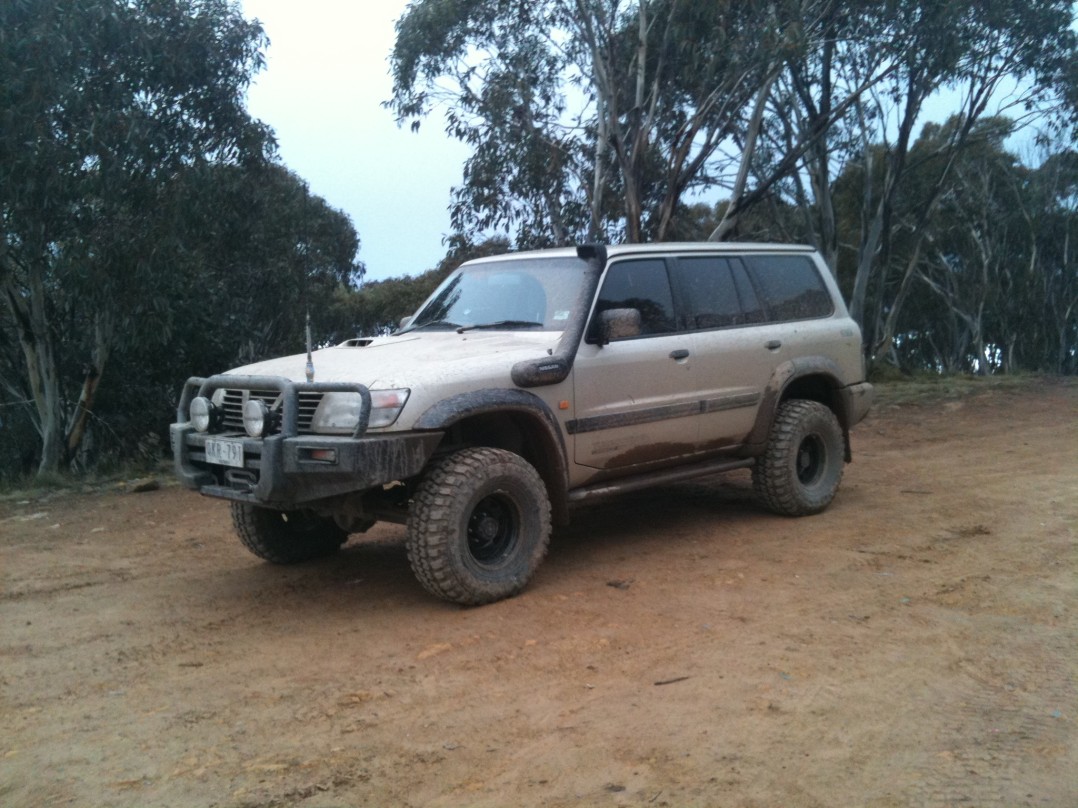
x,y
635,397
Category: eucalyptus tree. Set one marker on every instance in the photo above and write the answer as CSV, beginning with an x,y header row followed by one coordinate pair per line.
x,y
803,115
969,248
866,77
1040,287
103,102
252,254
498,74
994,286
587,118
248,253
1020,51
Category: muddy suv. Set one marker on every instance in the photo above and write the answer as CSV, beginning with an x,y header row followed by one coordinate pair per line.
x,y
528,383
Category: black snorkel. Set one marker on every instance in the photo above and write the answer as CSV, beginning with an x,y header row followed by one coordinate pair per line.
x,y
555,368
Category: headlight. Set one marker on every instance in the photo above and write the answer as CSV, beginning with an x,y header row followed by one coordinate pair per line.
x,y
339,412
255,413
202,412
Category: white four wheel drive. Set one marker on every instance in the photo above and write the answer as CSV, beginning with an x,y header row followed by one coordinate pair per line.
x,y
527,383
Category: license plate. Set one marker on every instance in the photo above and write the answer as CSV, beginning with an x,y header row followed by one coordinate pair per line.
x,y
225,452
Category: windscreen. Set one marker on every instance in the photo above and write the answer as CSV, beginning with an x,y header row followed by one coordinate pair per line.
x,y
519,294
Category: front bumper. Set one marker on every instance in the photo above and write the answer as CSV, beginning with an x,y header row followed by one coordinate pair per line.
x,y
291,468
280,472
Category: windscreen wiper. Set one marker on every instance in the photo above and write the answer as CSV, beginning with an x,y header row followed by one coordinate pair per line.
x,y
446,324
501,324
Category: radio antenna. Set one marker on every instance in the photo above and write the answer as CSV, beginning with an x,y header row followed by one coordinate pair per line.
x,y
310,361
306,280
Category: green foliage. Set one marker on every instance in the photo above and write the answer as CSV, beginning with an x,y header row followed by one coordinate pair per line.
x,y
587,120
598,119
146,234
994,273
254,251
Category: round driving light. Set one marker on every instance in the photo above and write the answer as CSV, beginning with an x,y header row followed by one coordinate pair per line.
x,y
201,413
254,417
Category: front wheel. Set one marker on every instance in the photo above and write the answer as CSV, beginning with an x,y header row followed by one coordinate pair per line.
x,y
479,526
800,471
286,537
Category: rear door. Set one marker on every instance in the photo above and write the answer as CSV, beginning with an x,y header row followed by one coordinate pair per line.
x,y
795,295
635,398
734,348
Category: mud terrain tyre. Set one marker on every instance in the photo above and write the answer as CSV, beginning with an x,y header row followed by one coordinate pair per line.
x,y
285,537
800,471
479,526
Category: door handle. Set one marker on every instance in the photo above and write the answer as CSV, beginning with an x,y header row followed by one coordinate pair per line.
x,y
773,345
679,354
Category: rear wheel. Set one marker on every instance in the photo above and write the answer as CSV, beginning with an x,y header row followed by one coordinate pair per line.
x,y
799,473
286,537
479,526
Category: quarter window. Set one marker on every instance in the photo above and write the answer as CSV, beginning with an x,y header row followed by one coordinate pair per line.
x,y
790,286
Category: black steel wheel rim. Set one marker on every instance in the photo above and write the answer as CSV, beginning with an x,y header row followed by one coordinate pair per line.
x,y
493,529
811,457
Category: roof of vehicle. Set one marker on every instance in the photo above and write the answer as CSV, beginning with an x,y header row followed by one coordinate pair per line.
x,y
619,250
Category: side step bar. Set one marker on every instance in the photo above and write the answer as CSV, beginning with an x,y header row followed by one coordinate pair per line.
x,y
612,487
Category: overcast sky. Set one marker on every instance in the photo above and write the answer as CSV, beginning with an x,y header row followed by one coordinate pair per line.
x,y
322,90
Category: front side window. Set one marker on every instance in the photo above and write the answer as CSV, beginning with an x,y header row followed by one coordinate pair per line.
x,y
790,286
539,294
641,285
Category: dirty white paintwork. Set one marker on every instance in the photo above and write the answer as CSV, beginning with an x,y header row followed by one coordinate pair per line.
x,y
433,365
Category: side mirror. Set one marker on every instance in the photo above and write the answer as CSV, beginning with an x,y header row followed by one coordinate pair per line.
x,y
405,321
619,324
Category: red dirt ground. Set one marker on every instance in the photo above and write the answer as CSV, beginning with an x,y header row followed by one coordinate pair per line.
x,y
915,645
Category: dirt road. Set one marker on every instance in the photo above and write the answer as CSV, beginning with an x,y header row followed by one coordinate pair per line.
x,y
915,645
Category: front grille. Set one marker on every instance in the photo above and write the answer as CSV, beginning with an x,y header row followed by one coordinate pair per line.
x,y
233,402
308,403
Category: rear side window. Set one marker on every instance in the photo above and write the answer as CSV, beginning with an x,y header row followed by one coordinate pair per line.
x,y
710,294
791,287
752,308
641,285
